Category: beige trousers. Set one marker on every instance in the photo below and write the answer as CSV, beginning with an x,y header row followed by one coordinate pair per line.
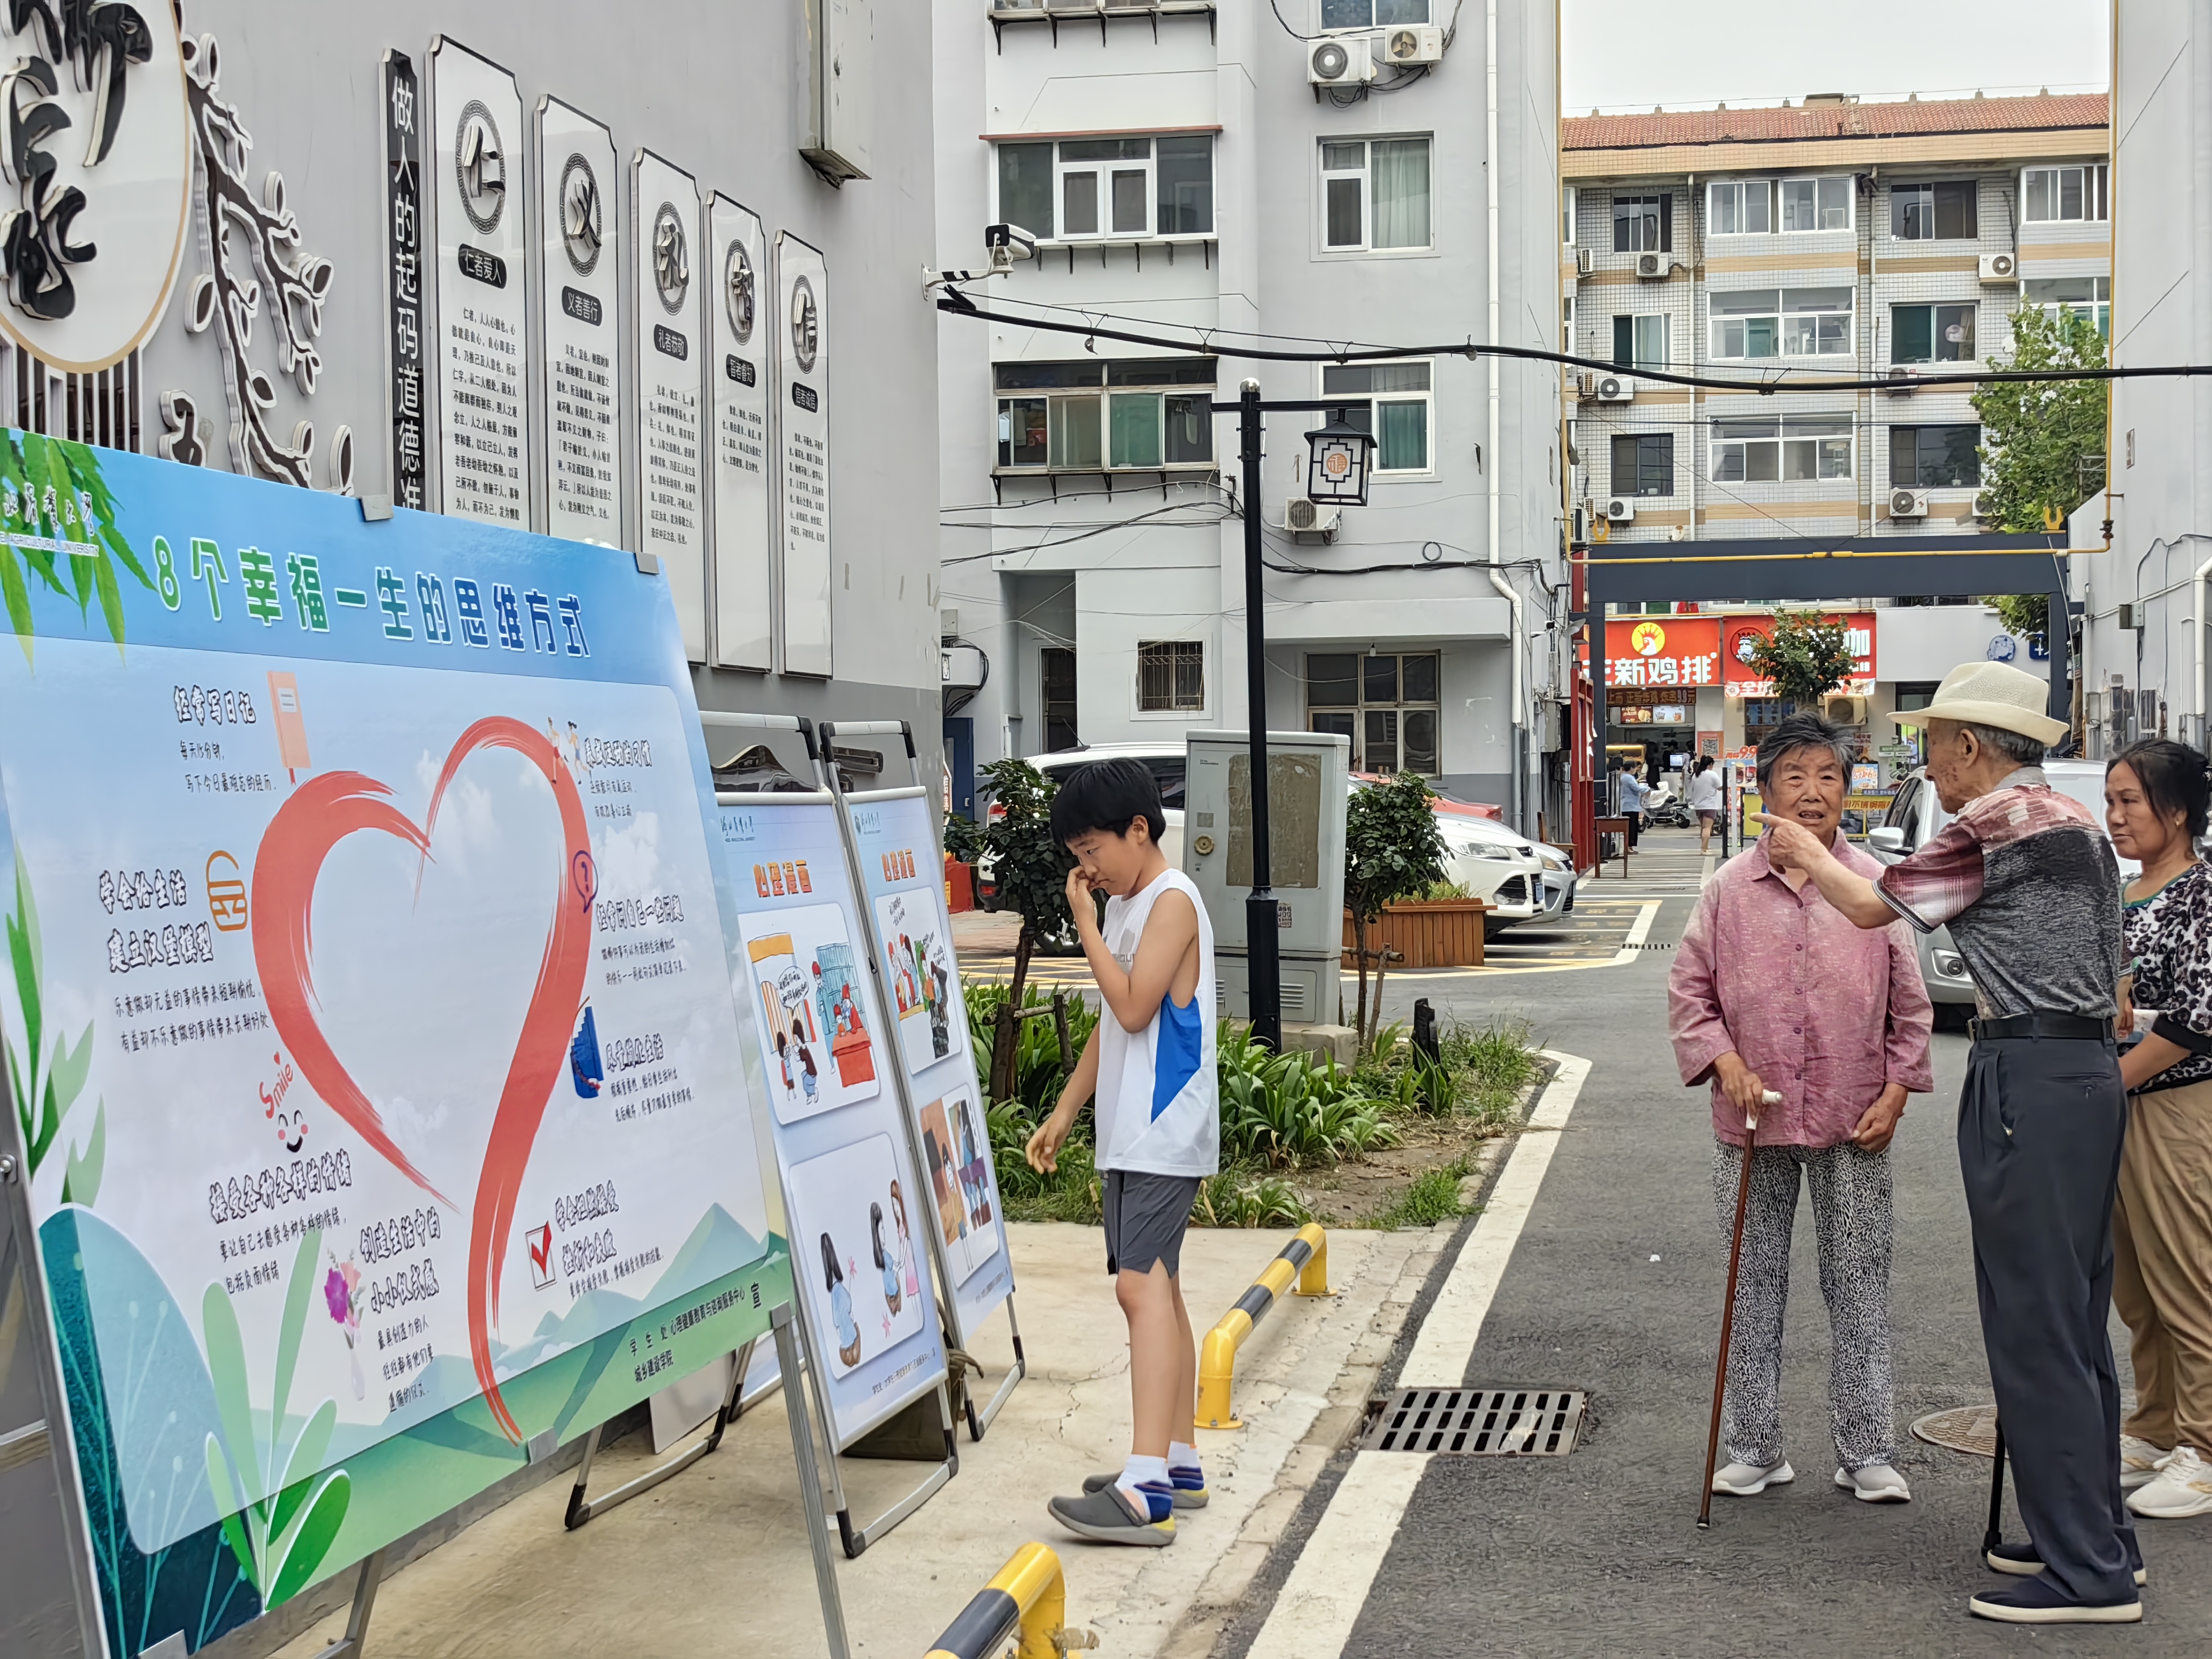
x,y
2162,1271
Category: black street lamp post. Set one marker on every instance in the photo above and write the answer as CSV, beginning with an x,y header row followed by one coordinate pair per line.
x,y
1337,473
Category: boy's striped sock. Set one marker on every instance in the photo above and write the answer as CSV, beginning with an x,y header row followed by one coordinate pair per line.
x,y
1146,1484
1183,1470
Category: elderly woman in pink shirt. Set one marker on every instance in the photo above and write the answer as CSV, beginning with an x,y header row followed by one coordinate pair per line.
x,y
1772,989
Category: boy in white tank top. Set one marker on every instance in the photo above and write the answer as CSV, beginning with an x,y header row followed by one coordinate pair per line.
x,y
1151,1064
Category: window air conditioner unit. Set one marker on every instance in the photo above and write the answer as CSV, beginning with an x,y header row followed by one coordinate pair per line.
x,y
1908,503
1999,268
1840,710
1585,261
1649,265
1345,60
1615,389
1309,517
1900,382
1620,510
1416,43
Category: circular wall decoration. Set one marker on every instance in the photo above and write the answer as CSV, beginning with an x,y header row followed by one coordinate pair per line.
x,y
805,326
582,215
480,167
740,289
672,259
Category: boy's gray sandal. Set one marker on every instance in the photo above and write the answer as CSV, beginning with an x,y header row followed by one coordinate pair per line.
x,y
1186,1498
1107,1517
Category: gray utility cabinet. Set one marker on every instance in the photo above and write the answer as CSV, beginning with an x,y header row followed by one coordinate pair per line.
x,y
1307,789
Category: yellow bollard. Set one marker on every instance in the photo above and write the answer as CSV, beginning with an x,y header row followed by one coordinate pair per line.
x,y
1028,1596
1305,1260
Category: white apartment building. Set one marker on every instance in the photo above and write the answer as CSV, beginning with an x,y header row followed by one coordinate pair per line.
x,y
1867,240
2144,634
1338,170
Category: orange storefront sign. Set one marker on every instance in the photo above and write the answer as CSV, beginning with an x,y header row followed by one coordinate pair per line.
x,y
1740,634
1683,651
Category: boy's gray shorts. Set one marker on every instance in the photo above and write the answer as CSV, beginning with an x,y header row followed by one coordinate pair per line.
x,y
1145,1216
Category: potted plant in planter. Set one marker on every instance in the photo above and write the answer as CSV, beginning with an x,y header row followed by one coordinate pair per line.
x,y
1393,852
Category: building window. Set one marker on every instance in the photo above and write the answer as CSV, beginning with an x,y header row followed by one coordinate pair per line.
x,y
1394,402
1935,457
1139,414
1371,14
2054,195
1644,463
1931,213
1090,189
1644,224
1931,334
1172,677
2088,297
1567,216
1915,694
1375,194
1816,203
1740,207
1789,322
1639,342
1788,449
1056,692
1387,705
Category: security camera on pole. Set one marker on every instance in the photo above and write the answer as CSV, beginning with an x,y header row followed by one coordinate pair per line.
x,y
1336,474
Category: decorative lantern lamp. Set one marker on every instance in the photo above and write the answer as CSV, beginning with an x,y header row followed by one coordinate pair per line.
x,y
1336,464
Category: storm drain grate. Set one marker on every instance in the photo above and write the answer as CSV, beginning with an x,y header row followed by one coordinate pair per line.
x,y
1478,1422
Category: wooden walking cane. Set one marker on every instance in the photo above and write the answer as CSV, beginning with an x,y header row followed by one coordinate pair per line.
x,y
1727,1309
1995,1534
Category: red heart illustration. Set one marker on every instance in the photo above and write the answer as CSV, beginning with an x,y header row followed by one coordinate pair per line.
x,y
321,813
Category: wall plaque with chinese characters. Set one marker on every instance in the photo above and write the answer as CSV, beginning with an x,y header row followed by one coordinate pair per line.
x,y
741,328
672,277
580,314
405,339
480,185
803,426
99,163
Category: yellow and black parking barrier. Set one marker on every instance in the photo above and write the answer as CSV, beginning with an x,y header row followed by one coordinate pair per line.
x,y
1304,1258
1026,1602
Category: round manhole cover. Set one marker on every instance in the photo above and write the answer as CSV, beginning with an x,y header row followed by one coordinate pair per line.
x,y
1969,1429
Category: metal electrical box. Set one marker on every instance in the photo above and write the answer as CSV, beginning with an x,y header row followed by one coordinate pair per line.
x,y
1307,790
839,71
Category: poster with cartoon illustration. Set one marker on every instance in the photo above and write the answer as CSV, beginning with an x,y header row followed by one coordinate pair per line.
x,y
384,1104
918,976
857,1257
956,1157
813,1012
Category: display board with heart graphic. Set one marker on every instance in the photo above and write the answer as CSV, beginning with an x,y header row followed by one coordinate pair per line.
x,y
368,1018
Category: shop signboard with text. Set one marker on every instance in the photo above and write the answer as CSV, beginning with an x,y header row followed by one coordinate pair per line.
x,y
1662,650
1740,636
383,1110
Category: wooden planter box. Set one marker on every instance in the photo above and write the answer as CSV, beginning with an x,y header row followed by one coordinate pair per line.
x,y
1428,933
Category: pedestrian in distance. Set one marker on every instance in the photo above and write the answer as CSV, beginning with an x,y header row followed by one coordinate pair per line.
x,y
1150,1065
1705,800
2027,880
1633,790
1772,988
2157,794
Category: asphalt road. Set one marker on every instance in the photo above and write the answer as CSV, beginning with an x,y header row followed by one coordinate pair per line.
x,y
1598,1553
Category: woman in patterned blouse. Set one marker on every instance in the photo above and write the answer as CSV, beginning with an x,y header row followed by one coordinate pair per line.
x,y
2156,797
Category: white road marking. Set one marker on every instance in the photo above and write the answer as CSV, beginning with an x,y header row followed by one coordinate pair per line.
x,y
1639,931
1328,1585
1321,1600
1445,1345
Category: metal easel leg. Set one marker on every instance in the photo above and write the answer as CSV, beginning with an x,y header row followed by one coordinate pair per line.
x,y
979,1422
857,1538
349,1646
581,1509
809,1485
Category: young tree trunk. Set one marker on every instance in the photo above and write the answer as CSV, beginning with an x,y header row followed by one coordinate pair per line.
x,y
1360,955
1375,1020
1004,1040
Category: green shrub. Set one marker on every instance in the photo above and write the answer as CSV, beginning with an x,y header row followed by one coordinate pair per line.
x,y
1294,1108
1234,1198
1433,1197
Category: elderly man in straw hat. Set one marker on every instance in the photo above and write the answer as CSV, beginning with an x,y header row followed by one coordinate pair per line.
x,y
2028,882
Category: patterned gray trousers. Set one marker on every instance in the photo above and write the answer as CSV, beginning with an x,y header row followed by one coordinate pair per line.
x,y
1852,1224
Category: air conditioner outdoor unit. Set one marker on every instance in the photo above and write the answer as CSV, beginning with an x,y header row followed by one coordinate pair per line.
x,y
1415,43
1309,517
1900,382
1345,60
1620,510
1840,710
1615,389
1585,261
1999,268
1985,506
1908,503
1650,264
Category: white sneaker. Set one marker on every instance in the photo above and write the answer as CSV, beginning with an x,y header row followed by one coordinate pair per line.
x,y
2140,1462
1748,1479
1877,1483
2183,1488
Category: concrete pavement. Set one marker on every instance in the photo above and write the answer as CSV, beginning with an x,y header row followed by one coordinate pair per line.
x,y
1615,1285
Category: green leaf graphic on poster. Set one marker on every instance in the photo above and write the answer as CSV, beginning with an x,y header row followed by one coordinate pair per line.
x,y
45,1087
53,490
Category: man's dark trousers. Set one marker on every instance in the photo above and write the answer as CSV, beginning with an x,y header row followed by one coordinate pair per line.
x,y
2040,1123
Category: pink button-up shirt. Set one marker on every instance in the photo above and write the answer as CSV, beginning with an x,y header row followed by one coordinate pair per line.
x,y
1826,1013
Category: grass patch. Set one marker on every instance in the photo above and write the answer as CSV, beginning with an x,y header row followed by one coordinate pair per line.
x,y
1433,1197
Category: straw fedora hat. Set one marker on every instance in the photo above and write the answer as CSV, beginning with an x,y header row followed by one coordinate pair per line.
x,y
1991,694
